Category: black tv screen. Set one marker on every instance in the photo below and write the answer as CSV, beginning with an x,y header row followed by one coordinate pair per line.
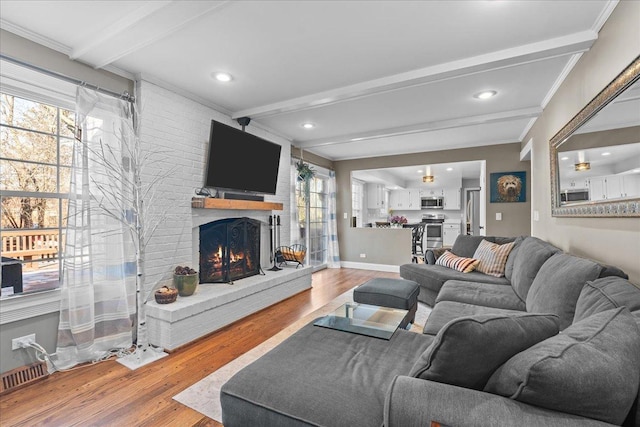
x,y
242,162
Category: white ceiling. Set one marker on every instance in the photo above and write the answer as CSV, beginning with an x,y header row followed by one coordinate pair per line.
x,y
395,76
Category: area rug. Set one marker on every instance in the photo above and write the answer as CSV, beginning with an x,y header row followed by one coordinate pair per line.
x,y
204,396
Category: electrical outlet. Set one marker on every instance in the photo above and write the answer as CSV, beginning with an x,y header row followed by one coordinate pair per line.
x,y
22,342
363,255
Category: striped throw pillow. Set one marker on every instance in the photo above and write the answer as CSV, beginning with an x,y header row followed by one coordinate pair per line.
x,y
492,257
465,265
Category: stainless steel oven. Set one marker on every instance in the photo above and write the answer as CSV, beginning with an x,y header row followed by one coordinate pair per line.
x,y
433,230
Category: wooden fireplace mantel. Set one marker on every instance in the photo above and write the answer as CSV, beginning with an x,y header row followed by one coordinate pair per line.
x,y
211,203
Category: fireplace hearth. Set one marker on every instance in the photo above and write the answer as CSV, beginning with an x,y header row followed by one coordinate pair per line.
x,y
229,250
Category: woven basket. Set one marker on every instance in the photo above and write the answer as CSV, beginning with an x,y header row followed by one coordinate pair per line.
x,y
166,295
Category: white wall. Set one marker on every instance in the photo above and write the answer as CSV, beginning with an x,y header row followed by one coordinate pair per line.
x,y
176,129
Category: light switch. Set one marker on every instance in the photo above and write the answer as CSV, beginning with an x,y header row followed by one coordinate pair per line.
x,y
345,215
536,216
498,216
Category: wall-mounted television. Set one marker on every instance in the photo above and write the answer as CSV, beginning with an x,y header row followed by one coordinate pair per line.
x,y
241,162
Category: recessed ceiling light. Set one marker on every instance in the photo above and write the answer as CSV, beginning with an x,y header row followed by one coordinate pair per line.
x,y
486,94
222,77
606,153
419,171
356,139
564,158
308,125
635,170
449,169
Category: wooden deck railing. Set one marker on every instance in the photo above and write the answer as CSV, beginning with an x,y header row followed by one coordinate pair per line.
x,y
30,245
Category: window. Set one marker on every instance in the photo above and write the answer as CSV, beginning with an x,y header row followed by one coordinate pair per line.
x,y
35,162
318,218
357,190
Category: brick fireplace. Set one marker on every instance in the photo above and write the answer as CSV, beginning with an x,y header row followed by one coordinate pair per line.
x,y
229,250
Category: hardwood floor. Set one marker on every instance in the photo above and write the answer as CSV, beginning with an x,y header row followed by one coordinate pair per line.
x,y
109,394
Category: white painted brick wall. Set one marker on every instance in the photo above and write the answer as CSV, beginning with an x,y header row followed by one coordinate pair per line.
x,y
175,131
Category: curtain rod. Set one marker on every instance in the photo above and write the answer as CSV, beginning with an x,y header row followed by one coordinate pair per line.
x,y
125,95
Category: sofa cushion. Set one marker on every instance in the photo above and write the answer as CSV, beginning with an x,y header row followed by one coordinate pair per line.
x,y
446,311
492,257
343,379
467,350
434,276
607,293
462,264
508,268
590,369
485,294
532,253
557,286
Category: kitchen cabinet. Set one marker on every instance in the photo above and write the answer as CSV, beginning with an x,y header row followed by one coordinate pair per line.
x,y
431,192
631,185
375,196
452,198
398,200
597,189
405,200
450,232
414,199
614,187
575,184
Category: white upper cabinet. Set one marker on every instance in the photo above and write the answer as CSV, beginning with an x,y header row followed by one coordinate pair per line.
x,y
375,196
452,198
406,200
614,187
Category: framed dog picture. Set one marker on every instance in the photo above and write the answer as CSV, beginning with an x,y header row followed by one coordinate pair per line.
x,y
508,187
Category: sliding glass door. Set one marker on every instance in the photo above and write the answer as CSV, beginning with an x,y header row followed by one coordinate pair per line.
x,y
318,215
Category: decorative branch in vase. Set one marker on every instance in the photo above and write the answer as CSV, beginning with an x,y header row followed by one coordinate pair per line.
x,y
122,194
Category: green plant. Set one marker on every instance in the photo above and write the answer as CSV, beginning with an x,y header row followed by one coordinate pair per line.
x,y
305,171
183,271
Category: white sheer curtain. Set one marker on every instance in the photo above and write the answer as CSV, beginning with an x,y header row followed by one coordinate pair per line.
x,y
333,250
98,304
295,230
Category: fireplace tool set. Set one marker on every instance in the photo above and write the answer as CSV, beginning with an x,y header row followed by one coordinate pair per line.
x,y
274,240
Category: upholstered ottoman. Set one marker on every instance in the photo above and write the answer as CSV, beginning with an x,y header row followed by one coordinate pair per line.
x,y
393,293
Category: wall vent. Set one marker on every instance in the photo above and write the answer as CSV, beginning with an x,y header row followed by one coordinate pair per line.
x,y
22,376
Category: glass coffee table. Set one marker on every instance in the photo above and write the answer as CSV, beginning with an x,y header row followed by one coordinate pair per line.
x,y
363,319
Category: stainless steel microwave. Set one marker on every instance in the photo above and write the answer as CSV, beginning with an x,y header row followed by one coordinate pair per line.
x,y
435,202
567,196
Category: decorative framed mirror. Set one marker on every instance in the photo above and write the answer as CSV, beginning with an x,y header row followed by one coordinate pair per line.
x,y
595,158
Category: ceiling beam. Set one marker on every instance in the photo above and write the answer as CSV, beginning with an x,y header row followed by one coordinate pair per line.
x,y
560,46
524,113
149,24
103,36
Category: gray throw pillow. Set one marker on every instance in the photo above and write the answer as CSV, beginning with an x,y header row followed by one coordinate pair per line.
x,y
591,369
607,293
465,246
467,350
532,253
557,286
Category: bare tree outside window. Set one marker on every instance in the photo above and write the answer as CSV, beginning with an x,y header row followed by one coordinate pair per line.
x,y
35,159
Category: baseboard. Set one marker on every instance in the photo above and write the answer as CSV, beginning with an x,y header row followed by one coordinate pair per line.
x,y
369,266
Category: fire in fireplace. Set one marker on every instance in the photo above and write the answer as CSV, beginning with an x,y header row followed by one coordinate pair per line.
x,y
229,250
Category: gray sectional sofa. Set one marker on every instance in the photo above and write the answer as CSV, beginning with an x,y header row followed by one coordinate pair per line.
x,y
556,343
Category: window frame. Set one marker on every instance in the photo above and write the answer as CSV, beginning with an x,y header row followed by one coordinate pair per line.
x,y
25,83
56,195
